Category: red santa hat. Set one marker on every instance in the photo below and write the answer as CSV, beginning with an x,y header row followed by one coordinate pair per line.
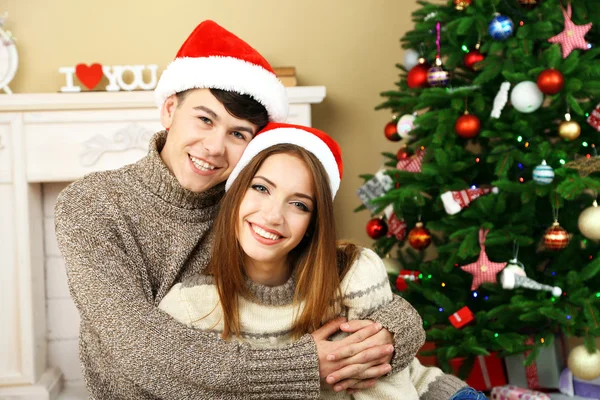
x,y
455,201
215,58
326,149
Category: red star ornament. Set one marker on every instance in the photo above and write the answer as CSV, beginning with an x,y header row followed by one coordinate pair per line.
x,y
483,270
572,37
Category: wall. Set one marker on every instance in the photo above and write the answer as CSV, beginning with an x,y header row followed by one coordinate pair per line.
x,y
349,46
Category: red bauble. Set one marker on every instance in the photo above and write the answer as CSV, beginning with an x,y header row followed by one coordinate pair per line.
x,y
417,76
467,126
461,4
556,237
472,58
550,81
391,132
376,228
402,154
406,275
419,237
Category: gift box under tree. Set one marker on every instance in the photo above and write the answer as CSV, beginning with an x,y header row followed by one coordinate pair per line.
x,y
487,372
544,372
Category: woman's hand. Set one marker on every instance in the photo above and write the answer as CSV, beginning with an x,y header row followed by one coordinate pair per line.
x,y
357,360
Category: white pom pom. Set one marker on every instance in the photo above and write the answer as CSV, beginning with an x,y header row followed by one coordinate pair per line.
x,y
556,291
495,190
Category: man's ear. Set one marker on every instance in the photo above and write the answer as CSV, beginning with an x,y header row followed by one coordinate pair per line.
x,y
167,111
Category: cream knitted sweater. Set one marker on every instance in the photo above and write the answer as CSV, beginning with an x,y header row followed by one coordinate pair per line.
x,y
266,321
127,237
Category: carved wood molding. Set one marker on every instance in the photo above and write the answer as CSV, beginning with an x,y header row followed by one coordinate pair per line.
x,y
128,138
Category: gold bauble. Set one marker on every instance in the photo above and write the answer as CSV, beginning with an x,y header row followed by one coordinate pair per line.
x,y
584,365
569,130
589,222
392,266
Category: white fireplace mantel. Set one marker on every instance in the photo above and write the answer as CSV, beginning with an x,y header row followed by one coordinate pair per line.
x,y
59,138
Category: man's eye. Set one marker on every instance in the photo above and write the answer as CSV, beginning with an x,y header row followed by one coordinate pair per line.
x,y
239,135
205,120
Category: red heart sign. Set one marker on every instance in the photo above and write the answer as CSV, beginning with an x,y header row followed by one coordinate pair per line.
x,y
89,76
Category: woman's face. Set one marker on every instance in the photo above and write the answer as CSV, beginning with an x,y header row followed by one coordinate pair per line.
x,y
275,212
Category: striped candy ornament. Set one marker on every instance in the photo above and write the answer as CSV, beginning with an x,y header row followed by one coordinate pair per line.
x,y
543,173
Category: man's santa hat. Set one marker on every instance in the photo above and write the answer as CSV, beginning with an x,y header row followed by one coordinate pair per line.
x,y
215,58
317,142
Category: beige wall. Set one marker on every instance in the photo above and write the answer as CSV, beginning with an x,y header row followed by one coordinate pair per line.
x,y
349,46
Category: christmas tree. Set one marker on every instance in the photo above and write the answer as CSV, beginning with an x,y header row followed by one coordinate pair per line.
x,y
496,119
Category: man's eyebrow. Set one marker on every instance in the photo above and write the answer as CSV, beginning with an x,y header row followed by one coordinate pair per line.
x,y
208,111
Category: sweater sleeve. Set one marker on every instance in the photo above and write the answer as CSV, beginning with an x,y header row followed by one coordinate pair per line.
x,y
396,315
161,356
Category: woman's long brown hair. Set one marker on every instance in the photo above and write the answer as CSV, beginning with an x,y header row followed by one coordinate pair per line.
x,y
317,263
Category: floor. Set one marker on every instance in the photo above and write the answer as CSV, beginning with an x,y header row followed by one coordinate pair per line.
x,y
73,393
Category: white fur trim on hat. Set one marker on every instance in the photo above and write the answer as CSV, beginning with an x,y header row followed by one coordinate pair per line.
x,y
299,137
226,73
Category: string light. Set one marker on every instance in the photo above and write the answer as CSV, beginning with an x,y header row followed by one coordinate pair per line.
x,y
521,23
429,276
584,144
569,317
440,309
477,159
542,340
553,273
520,139
553,299
597,294
562,161
473,186
521,180
587,114
465,48
588,156
421,276
443,284
591,257
486,297
496,335
526,144
475,294
520,165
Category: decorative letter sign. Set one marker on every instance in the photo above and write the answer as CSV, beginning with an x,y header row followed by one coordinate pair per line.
x,y
91,75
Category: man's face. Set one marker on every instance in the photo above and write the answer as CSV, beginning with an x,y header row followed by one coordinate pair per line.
x,y
204,142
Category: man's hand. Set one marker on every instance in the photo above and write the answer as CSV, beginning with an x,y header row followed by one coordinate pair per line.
x,y
357,360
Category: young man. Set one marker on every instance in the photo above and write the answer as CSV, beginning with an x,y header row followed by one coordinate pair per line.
x,y
128,235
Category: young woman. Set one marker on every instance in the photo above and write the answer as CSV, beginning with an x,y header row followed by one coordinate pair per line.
x,y
276,271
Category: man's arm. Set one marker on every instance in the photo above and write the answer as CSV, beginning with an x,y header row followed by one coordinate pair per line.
x,y
162,357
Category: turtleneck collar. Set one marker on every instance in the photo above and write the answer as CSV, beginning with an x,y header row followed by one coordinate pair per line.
x,y
159,180
273,295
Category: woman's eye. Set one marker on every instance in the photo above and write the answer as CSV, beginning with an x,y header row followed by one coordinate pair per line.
x,y
260,188
301,206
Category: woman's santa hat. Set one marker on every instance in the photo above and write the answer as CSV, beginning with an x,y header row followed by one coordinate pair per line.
x,y
215,58
317,142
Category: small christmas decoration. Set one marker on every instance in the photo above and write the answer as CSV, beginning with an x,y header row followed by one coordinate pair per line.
x,y
529,4
374,188
594,118
419,237
556,237
417,76
473,57
569,130
467,126
391,132
392,266
406,275
462,317
461,4
91,75
405,124
500,100
396,227
511,280
411,58
583,364
585,165
483,270
501,27
508,392
9,57
402,153
526,97
411,164
543,173
572,37
550,81
437,76
515,266
455,201
376,228
589,222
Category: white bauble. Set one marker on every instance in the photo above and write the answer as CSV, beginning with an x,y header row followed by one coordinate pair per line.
x,y
392,266
584,365
405,124
411,58
526,97
589,222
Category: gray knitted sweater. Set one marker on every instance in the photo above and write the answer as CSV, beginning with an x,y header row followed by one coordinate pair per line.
x,y
127,236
